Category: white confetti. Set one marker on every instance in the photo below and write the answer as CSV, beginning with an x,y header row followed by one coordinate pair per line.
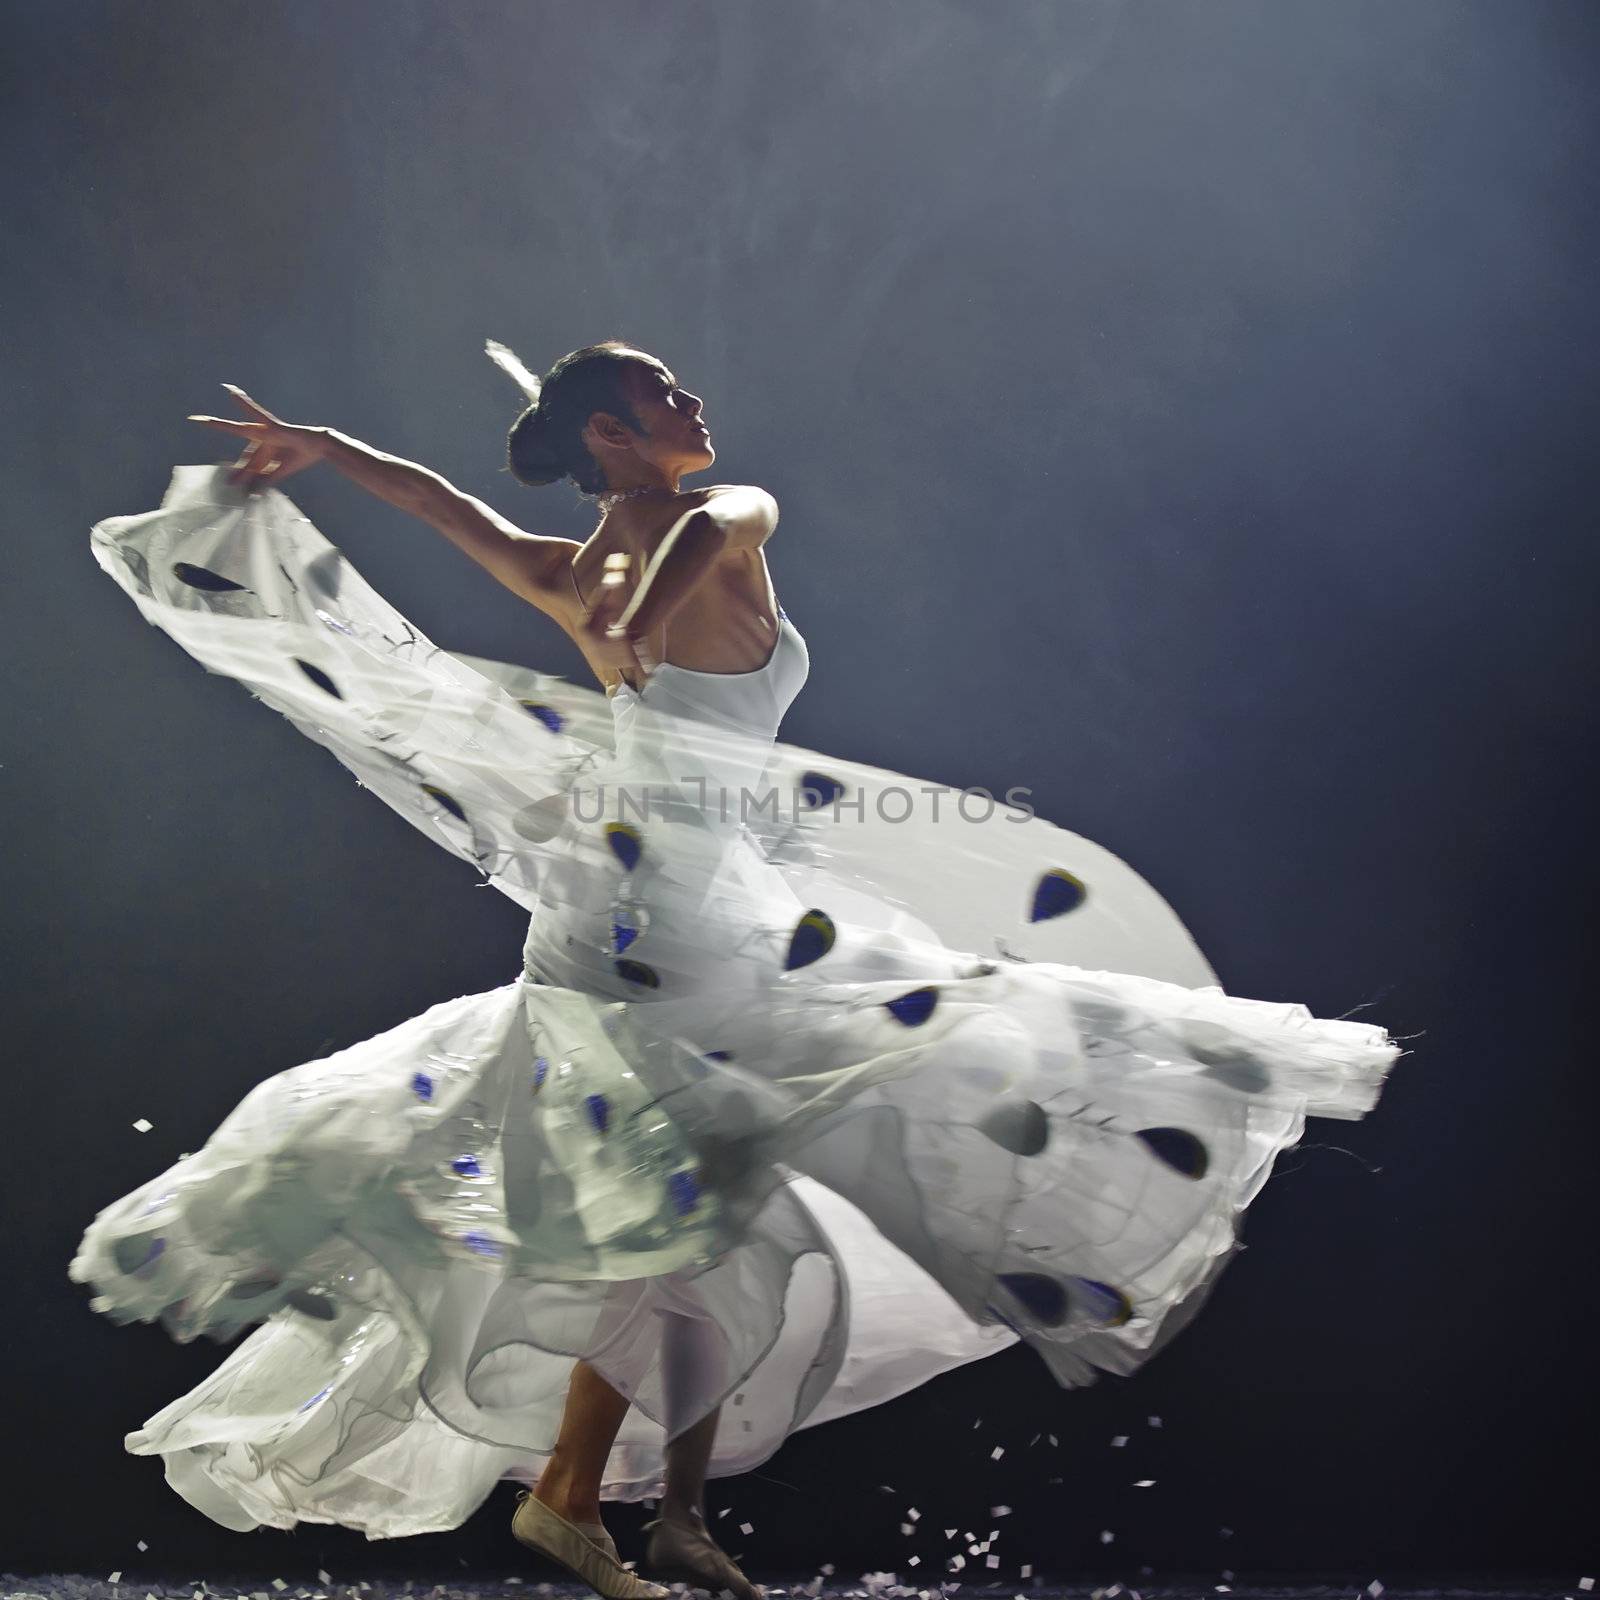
x,y
998,1451
913,1513
1222,1588
826,1569
143,1545
1586,1583
1155,1422
1106,1536
1052,1438
956,1563
1034,1440
1145,1483
1027,1569
116,1577
723,1512
144,1125
1374,1588
1120,1440
322,1577
913,1561
999,1511
888,1488
279,1585
949,1533
991,1561
745,1527
908,1528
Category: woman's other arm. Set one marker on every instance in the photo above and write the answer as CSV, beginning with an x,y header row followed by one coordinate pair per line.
x,y
726,517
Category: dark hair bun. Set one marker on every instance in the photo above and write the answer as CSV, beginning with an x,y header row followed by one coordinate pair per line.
x,y
529,451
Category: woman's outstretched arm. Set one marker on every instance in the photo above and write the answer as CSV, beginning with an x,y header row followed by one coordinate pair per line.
x,y
531,565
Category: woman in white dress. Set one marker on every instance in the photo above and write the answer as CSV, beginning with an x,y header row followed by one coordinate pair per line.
x,y
755,1127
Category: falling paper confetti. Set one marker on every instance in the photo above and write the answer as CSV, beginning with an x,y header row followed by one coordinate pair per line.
x,y
1155,1422
1120,1440
144,1125
143,1545
999,1511
1145,1483
998,1451
744,1527
1106,1536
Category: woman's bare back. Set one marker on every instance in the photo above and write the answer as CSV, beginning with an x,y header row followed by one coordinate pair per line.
x,y
727,624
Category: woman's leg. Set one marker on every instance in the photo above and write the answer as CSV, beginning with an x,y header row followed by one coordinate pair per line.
x,y
570,1482
692,1364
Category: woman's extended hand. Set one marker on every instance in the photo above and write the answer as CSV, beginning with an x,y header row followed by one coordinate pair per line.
x,y
277,450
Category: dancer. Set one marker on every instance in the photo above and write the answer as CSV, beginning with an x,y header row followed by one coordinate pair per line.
x,y
960,1081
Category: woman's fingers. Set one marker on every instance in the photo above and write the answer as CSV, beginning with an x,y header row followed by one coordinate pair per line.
x,y
245,400
229,425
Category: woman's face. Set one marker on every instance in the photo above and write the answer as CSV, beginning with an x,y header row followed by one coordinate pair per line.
x,y
674,440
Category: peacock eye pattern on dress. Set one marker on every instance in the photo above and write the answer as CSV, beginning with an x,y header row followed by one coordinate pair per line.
x,y
812,939
447,800
1049,1303
203,578
467,1166
1178,1149
319,677
817,789
548,715
915,1008
1019,1126
422,1086
684,1189
626,844
137,1254
482,1244
1057,892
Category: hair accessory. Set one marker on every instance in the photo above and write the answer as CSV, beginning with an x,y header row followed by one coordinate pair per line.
x,y
509,363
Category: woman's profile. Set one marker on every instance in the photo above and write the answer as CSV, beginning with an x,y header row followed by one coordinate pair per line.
x,y
788,1109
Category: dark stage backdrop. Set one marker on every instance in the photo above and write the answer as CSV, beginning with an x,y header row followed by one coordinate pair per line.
x,y
1185,410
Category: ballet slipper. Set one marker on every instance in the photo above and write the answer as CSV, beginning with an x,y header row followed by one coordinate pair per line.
x,y
539,1528
684,1552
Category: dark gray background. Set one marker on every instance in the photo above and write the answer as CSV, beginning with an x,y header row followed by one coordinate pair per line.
x,y
1185,410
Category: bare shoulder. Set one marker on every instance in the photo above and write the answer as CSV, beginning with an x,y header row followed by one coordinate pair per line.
x,y
747,513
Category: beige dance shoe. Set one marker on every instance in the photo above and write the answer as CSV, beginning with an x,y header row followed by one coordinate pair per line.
x,y
589,1556
684,1552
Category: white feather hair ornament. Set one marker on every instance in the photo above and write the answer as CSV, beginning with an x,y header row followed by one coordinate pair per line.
x,y
509,363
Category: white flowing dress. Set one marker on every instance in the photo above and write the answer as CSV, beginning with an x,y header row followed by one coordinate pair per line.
x,y
860,1077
